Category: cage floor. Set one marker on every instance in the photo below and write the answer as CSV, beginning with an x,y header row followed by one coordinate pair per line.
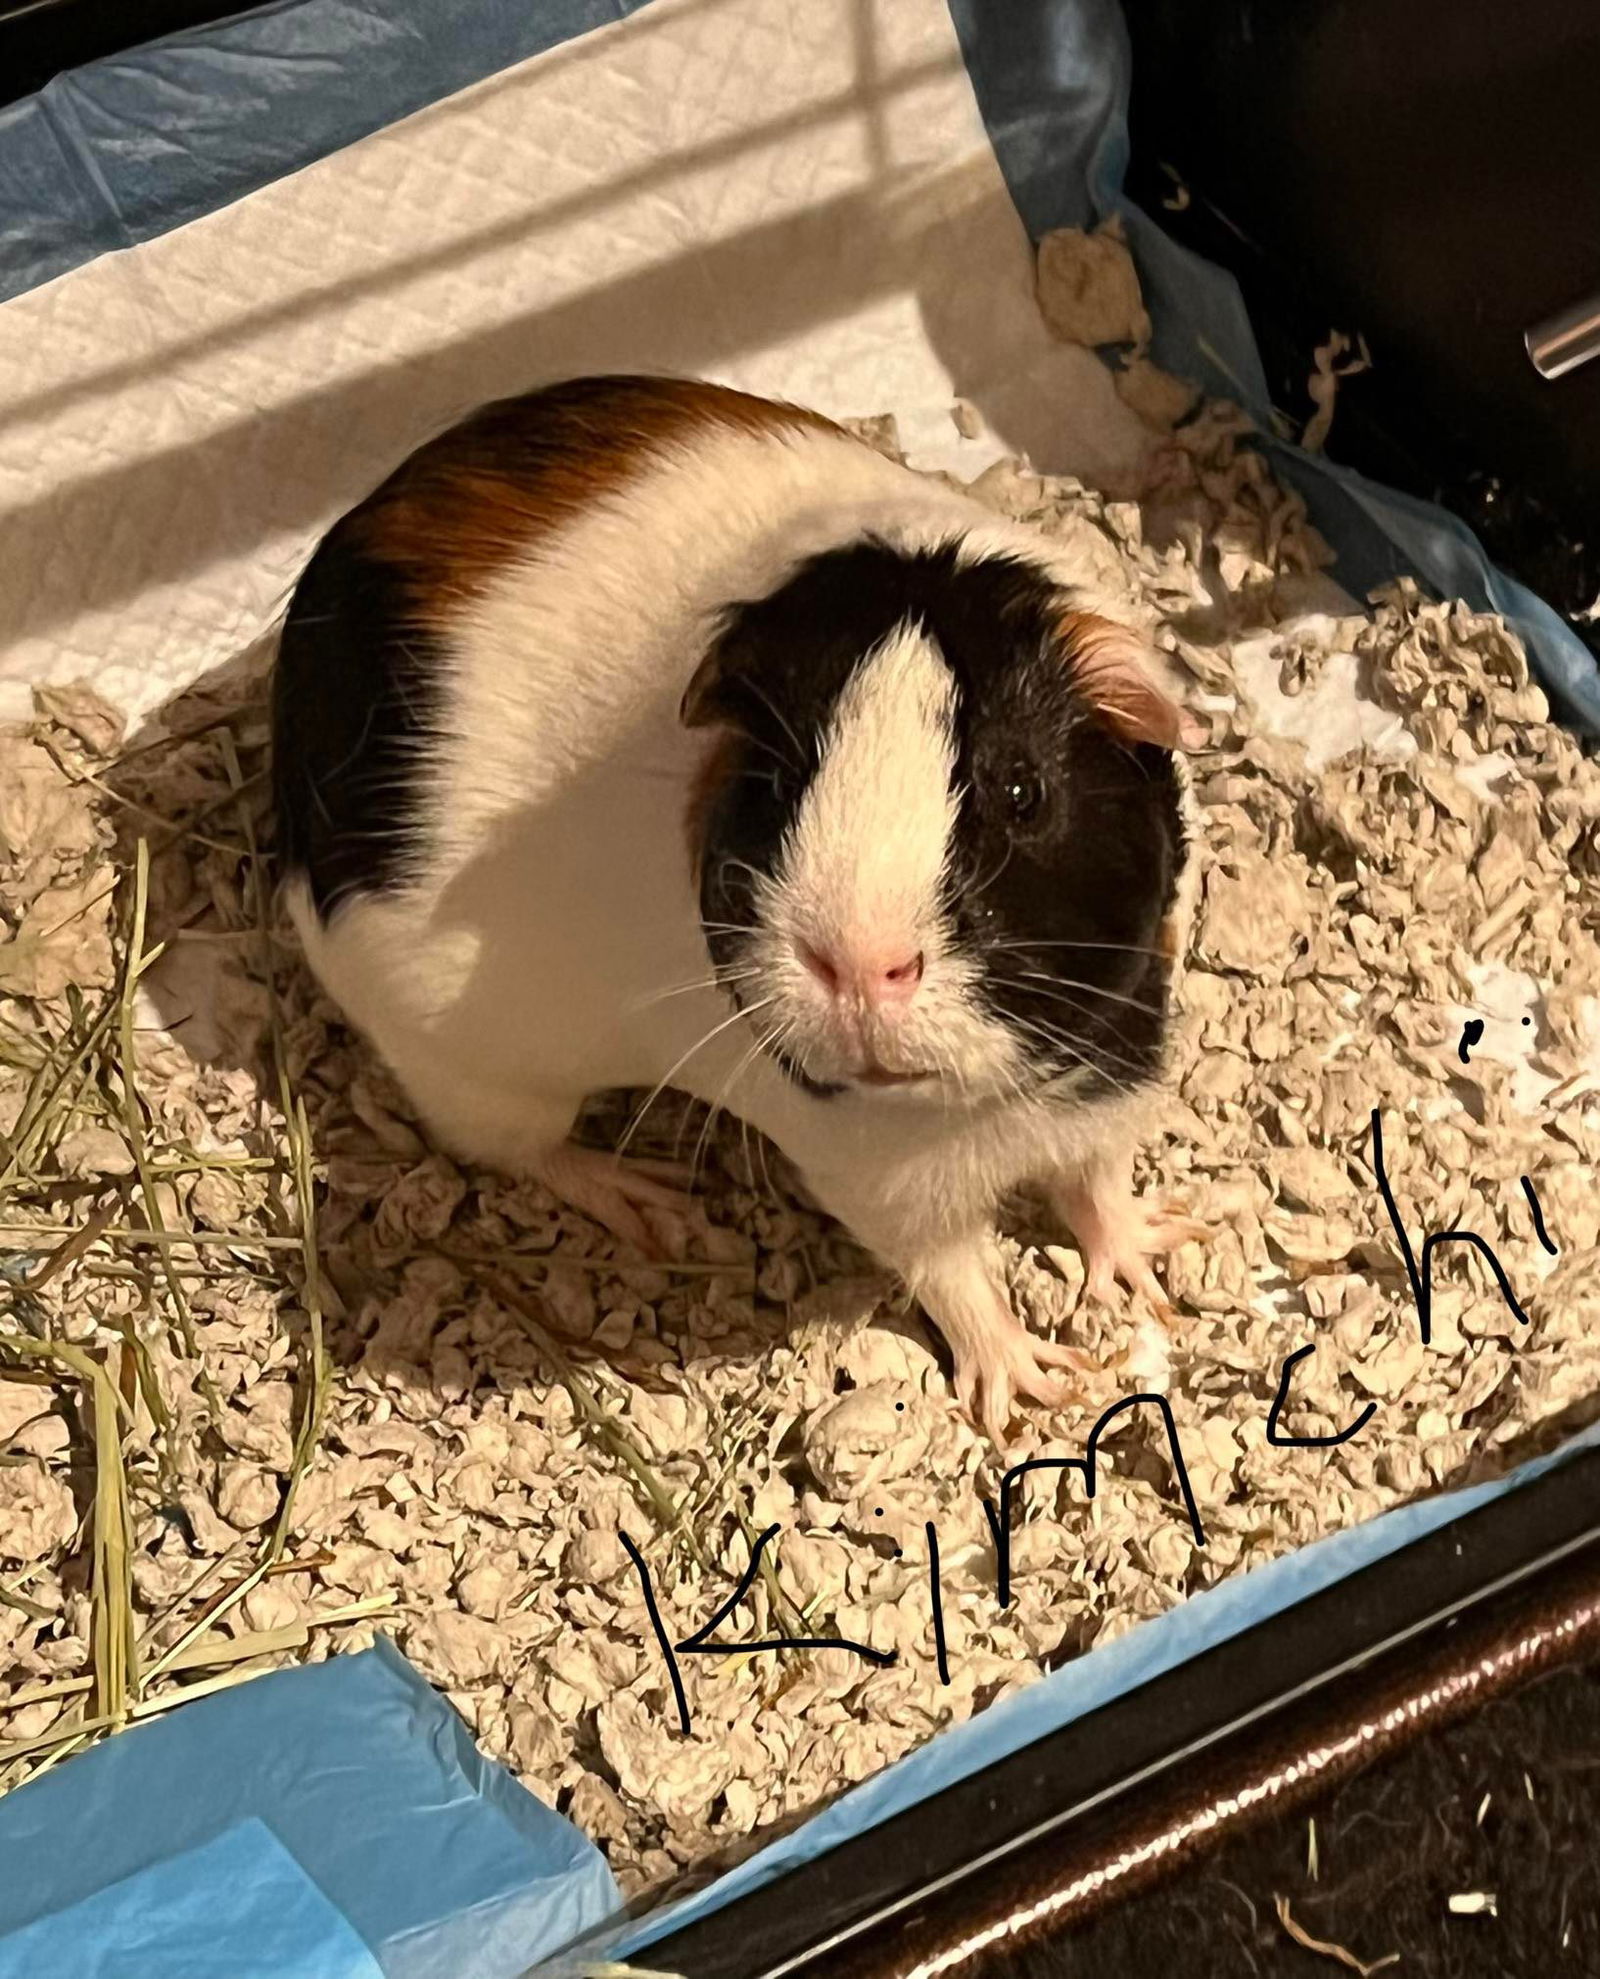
x,y
364,1388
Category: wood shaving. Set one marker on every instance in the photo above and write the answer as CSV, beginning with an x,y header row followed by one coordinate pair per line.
x,y
1088,289
1474,1903
1337,358
1159,399
488,1476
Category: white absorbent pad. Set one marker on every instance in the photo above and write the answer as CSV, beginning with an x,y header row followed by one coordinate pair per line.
x,y
799,200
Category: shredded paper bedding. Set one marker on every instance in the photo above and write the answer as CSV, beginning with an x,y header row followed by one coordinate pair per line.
x,y
275,1375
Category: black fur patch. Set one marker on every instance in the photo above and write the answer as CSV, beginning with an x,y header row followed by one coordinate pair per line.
x,y
354,693
1068,841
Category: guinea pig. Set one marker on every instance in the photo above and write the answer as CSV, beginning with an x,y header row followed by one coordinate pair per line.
x,y
638,732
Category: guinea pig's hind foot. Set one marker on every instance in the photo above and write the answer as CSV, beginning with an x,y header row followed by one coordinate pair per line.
x,y
633,1199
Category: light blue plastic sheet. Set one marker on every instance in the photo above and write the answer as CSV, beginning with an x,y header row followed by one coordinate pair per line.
x,y
347,1798
239,1905
130,147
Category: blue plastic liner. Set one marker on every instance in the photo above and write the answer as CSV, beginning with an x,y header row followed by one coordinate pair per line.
x,y
130,147
240,1904
332,1822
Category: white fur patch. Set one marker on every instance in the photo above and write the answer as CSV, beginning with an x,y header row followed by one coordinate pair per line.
x,y
869,848
860,877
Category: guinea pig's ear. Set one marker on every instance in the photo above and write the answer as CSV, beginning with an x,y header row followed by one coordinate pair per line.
x,y
702,698
1111,669
708,699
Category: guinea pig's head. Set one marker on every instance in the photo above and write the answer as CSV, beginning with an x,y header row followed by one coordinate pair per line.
x,y
939,834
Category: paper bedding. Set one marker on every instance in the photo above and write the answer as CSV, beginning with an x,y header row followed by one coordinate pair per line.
x,y
243,271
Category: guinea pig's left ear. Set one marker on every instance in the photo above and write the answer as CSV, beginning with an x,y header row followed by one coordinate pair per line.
x,y
1111,668
712,694
703,702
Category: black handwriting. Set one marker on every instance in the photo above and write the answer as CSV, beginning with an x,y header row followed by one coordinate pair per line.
x,y
1422,1277
661,1635
1000,1522
938,1604
696,1644
1280,1400
1538,1218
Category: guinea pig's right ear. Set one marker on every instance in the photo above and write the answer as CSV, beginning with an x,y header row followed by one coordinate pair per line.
x,y
703,703
1111,669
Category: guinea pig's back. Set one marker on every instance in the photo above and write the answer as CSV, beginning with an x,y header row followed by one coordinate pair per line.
x,y
526,595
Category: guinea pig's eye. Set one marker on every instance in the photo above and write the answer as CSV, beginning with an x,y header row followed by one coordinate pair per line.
x,y
1024,794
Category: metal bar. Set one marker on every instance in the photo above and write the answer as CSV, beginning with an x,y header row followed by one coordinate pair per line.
x,y
1561,343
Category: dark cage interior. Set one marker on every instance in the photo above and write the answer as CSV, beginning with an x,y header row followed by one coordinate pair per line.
x,y
1424,174
40,38
1468,1853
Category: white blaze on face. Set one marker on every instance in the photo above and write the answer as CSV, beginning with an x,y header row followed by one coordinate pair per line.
x,y
860,881
864,862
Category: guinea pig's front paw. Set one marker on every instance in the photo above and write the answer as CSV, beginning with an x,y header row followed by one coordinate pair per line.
x,y
1011,1363
634,1200
1118,1236
961,1286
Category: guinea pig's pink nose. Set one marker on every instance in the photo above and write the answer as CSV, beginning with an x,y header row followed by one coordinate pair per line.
x,y
876,976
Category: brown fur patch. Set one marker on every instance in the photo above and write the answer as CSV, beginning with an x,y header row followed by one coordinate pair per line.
x,y
1107,661
469,502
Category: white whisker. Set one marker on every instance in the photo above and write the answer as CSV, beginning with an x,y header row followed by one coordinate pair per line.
x,y
678,1065
1062,1044
1089,989
1110,947
1102,1050
719,981
719,1105
767,703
